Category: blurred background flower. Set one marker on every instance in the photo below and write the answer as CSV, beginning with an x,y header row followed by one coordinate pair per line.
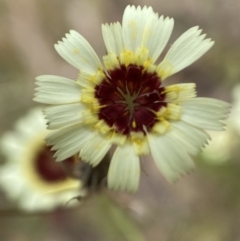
x,y
202,206
221,148
30,174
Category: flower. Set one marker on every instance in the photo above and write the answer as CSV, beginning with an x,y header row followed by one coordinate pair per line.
x,y
30,174
218,150
124,102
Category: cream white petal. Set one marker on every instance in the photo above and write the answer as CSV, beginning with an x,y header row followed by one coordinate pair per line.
x,y
189,47
180,92
211,102
63,138
34,201
64,115
205,123
67,151
95,149
156,34
133,24
62,134
56,90
124,170
190,138
12,145
169,155
69,141
112,36
78,52
87,81
206,113
191,133
185,144
9,174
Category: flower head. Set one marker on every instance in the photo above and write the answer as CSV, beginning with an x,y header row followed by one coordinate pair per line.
x,y
30,174
124,102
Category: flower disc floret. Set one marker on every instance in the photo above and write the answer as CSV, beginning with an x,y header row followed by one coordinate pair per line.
x,y
130,98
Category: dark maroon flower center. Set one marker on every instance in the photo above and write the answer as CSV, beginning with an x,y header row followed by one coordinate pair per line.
x,y
130,98
47,167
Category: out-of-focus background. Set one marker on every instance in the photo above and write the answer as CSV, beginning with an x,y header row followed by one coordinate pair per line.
x,y
202,206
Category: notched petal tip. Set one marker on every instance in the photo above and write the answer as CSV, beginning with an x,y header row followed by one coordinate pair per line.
x,y
195,28
76,50
188,48
73,32
59,159
57,45
41,78
187,172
